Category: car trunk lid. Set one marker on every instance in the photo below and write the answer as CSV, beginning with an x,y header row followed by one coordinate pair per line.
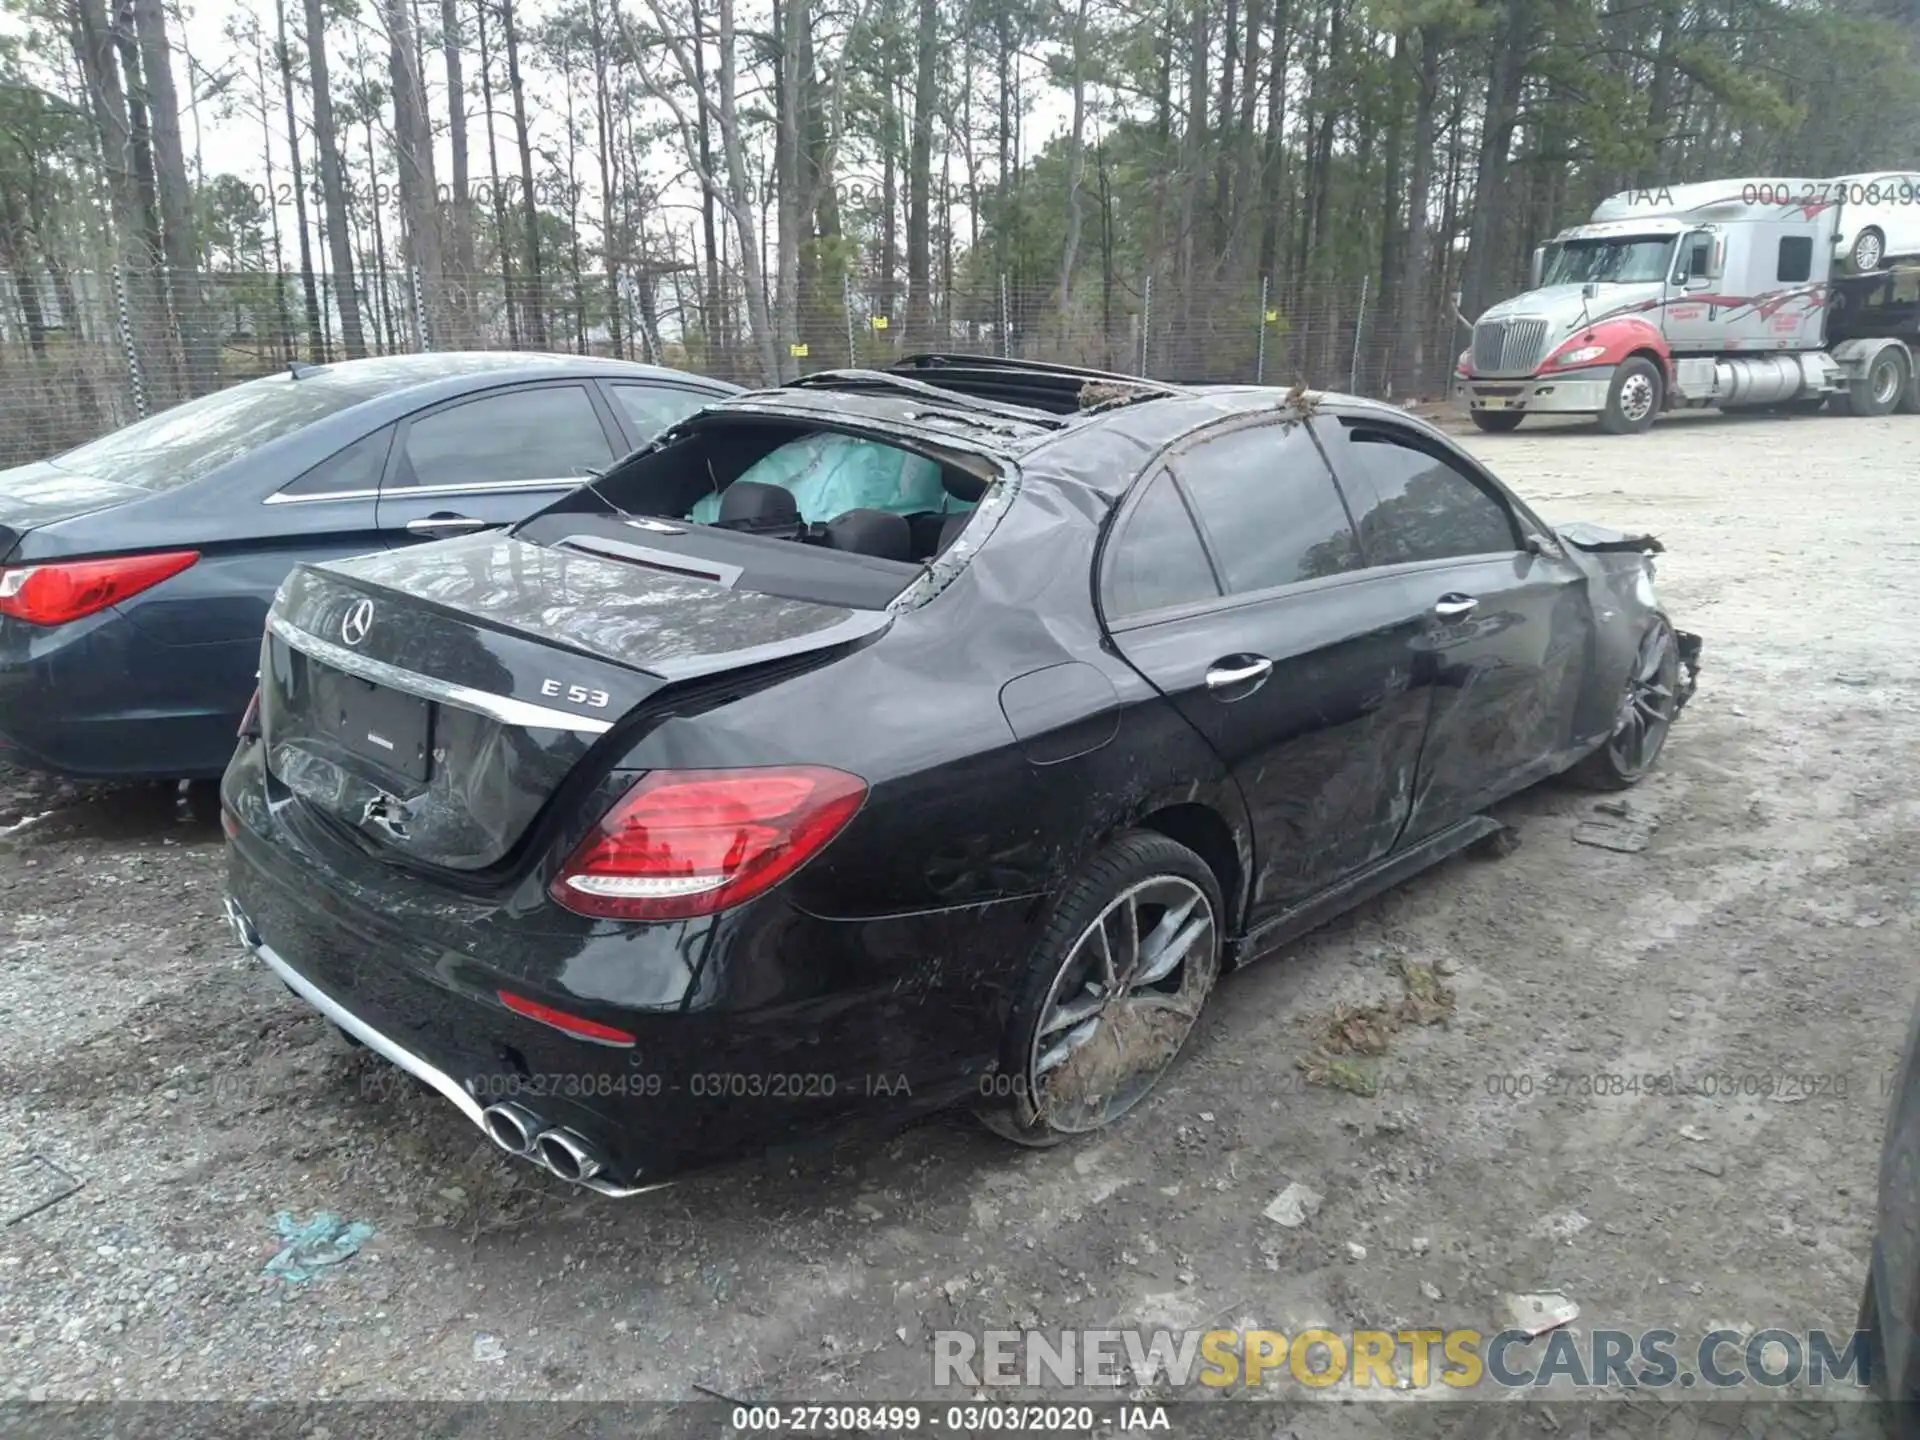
x,y
433,700
41,494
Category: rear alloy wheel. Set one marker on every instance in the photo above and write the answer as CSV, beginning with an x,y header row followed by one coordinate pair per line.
x,y
1644,716
1497,422
1634,397
1869,250
1113,991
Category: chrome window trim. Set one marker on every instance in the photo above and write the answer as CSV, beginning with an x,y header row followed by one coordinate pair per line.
x,y
503,708
401,492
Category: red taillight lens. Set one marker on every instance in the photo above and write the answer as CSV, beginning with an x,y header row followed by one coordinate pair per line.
x,y
575,1025
73,589
692,842
250,717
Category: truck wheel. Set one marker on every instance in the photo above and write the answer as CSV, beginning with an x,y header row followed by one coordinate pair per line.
x,y
1879,391
1634,399
1869,249
1496,422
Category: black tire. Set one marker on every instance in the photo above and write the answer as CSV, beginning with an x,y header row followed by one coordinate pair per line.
x,y
1496,422
1868,251
1635,397
1126,1047
1652,692
1881,390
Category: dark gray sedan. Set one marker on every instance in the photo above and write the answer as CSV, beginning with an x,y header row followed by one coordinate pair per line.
x,y
136,571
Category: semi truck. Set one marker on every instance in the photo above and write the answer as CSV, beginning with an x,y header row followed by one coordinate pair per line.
x,y
1739,294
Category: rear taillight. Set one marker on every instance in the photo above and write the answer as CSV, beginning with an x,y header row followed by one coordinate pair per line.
x,y
692,842
250,718
73,589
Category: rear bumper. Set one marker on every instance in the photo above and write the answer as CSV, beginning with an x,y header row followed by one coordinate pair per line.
x,y
385,1045
101,699
1577,392
756,1028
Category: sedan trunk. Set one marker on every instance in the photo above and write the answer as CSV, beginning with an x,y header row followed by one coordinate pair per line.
x,y
432,700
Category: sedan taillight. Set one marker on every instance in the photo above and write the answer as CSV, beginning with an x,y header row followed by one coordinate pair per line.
x,y
73,589
684,843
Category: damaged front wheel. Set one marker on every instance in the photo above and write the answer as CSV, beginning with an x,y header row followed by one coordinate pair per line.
x,y
1113,990
1653,696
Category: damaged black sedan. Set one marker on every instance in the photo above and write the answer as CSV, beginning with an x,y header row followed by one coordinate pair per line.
x,y
907,739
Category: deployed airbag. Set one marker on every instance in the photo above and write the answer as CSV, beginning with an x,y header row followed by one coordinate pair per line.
x,y
829,474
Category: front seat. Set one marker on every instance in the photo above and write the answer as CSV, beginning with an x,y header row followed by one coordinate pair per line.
x,y
871,532
759,509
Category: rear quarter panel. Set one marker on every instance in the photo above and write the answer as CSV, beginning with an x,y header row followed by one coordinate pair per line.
x,y
962,810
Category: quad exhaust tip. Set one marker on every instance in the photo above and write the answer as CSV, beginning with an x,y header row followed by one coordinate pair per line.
x,y
568,1155
518,1131
513,1127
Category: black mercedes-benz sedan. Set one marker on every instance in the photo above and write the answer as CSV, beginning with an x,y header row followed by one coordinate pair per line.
x,y
905,739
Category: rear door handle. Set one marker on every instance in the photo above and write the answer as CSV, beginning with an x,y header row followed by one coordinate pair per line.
x,y
1225,677
445,525
1454,606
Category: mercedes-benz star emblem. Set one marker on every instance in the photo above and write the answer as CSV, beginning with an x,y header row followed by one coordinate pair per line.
x,y
359,621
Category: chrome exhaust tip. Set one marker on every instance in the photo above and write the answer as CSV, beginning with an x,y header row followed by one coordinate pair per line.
x,y
512,1127
239,924
569,1156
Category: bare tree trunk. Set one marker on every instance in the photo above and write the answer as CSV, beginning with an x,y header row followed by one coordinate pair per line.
x,y
1416,298
94,49
530,210
612,240
460,200
1076,165
926,97
413,150
789,16
1488,226
316,341
740,197
332,185
500,237
714,321
175,196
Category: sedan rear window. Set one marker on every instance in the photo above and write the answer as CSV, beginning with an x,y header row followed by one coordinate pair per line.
x,y
199,436
829,474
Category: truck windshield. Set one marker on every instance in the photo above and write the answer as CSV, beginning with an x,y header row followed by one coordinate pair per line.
x,y
1616,258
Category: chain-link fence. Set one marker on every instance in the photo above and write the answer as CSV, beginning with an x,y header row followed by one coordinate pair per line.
x,y
82,353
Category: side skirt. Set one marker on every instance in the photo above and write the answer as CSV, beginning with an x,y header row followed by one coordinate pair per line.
x,y
1360,886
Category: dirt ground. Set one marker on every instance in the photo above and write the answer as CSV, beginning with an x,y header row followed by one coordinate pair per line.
x,y
1760,948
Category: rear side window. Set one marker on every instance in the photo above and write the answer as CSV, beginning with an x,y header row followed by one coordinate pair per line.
x,y
649,409
354,470
1423,507
1158,561
1796,257
550,433
190,440
1269,507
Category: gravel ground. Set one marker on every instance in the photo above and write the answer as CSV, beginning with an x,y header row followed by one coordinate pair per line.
x,y
1761,942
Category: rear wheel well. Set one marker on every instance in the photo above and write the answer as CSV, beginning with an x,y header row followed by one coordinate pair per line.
x,y
1203,831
